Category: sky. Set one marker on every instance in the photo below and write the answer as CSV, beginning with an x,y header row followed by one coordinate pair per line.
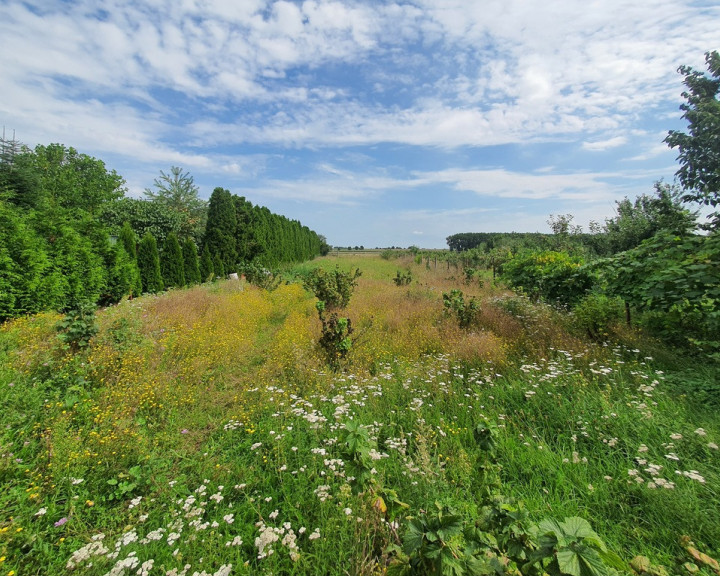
x,y
375,123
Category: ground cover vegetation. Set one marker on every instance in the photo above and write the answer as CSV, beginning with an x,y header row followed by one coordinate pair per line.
x,y
205,431
70,236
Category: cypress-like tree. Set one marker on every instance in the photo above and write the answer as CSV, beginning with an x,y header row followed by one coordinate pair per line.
x,y
206,265
219,267
128,240
190,262
221,228
172,265
149,264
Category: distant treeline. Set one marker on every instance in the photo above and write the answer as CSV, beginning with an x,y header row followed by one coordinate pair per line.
x,y
69,235
634,222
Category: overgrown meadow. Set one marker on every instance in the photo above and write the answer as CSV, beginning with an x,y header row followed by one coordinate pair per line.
x,y
201,432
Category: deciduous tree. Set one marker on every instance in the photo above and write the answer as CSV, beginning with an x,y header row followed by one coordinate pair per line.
x,y
699,147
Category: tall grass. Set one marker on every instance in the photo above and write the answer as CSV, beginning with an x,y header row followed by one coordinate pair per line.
x,y
201,433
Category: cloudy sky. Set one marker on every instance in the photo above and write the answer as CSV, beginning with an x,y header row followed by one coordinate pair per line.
x,y
373,122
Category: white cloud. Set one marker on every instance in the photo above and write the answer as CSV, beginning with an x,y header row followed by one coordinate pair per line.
x,y
602,145
500,183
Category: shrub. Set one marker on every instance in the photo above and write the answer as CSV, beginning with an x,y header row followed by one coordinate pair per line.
x,y
333,288
78,326
403,279
466,312
555,277
596,314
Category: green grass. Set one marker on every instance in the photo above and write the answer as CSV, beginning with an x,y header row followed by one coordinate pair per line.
x,y
201,423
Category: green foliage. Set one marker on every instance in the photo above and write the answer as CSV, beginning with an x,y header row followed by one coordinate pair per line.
x,y
333,291
220,232
28,281
260,276
70,182
125,485
143,216
334,288
677,277
355,447
78,326
207,269
432,543
502,541
149,264
555,277
219,267
597,314
465,312
403,278
336,339
177,193
128,239
699,171
572,547
191,264
123,276
172,263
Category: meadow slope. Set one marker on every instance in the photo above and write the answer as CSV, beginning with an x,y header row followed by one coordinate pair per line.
x,y
201,433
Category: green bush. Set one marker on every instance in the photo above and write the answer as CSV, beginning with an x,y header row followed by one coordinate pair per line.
x,y
466,312
555,277
333,288
596,314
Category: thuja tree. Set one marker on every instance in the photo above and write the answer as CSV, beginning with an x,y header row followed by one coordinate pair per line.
x,y
221,229
149,264
191,262
206,265
333,291
128,240
172,265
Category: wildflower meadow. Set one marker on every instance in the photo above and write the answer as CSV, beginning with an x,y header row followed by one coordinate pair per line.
x,y
202,432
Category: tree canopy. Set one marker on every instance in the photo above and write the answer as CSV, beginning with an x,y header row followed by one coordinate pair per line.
x,y
699,147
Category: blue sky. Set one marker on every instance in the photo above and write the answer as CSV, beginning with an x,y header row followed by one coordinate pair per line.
x,y
374,123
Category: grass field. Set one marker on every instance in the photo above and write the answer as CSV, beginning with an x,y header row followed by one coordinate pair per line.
x,y
201,433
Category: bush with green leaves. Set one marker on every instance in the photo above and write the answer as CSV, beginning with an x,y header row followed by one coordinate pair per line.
x,y
403,279
674,281
466,312
334,288
78,326
336,340
261,276
333,291
555,277
502,540
191,263
597,314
